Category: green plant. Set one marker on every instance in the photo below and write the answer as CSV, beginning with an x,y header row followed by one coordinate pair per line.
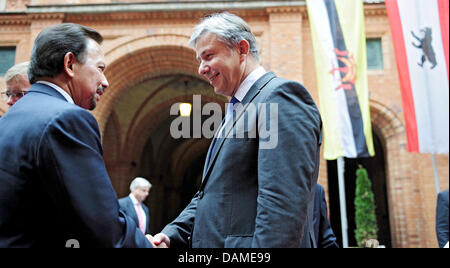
x,y
366,222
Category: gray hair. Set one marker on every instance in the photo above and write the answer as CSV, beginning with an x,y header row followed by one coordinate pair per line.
x,y
230,29
17,70
139,182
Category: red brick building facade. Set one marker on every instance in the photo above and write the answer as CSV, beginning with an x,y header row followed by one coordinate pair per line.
x,y
151,67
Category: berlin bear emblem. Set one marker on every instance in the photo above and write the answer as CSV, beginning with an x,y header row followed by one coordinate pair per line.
x,y
427,48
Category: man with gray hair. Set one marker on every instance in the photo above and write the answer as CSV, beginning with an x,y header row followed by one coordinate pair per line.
x,y
17,83
133,204
251,195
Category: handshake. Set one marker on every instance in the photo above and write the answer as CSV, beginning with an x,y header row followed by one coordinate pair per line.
x,y
159,241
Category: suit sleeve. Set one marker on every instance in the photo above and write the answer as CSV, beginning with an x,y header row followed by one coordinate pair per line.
x,y
327,239
442,219
70,155
180,230
287,169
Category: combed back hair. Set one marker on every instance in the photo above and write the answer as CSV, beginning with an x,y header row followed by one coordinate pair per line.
x,y
139,182
17,70
229,28
53,43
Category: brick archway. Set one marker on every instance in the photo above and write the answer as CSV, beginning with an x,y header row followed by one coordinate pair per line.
x,y
132,60
147,125
120,155
401,188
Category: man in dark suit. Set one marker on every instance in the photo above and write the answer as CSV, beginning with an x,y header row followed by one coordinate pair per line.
x,y
133,204
442,218
258,185
54,187
323,233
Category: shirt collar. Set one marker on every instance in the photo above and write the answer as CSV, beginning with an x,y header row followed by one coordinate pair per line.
x,y
248,82
133,199
57,88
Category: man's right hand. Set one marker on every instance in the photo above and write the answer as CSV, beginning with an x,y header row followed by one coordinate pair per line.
x,y
159,240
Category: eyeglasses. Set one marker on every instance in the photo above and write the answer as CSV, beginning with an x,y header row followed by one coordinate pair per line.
x,y
6,95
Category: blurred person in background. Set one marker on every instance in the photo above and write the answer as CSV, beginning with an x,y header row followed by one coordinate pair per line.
x,y
17,83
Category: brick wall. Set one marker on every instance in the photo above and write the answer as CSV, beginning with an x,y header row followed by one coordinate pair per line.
x,y
143,46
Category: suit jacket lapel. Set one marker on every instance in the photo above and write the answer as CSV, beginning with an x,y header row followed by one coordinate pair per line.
x,y
132,210
213,144
147,214
251,94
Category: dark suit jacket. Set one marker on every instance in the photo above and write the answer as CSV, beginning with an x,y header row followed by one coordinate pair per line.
x,y
126,204
442,218
252,196
323,233
53,182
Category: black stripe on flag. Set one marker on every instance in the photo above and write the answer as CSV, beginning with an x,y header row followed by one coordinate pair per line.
x,y
350,92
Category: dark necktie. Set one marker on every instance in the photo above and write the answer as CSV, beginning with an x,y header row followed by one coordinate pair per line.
x,y
228,115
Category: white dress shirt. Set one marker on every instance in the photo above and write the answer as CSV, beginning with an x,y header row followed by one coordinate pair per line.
x,y
248,82
242,90
57,88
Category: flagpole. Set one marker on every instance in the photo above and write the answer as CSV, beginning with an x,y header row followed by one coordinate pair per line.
x,y
343,207
436,175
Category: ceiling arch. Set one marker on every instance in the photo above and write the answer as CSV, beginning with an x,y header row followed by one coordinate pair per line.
x,y
132,60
